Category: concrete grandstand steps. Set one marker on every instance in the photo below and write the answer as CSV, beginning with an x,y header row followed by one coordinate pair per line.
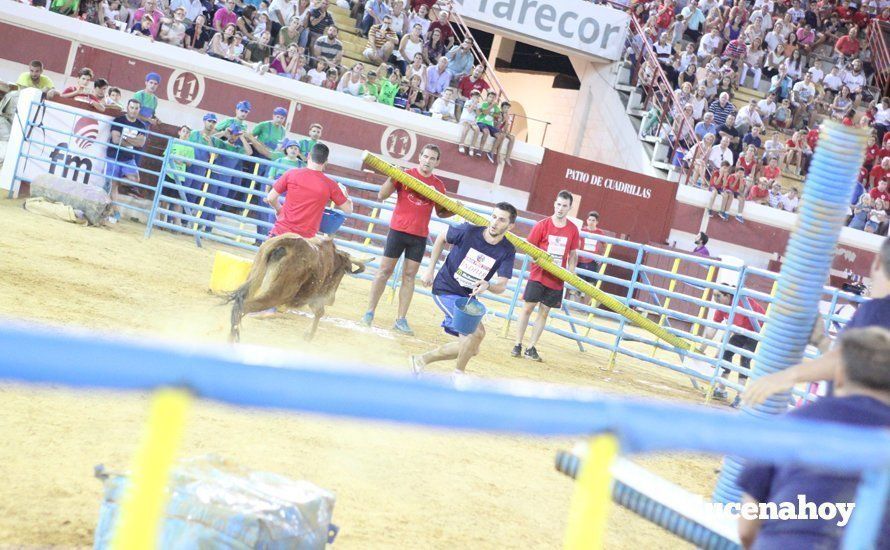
x,y
342,19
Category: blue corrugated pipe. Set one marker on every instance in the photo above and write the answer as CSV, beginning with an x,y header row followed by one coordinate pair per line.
x,y
808,256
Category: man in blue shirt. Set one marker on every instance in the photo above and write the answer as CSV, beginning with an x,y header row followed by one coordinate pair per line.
x,y
864,400
477,255
875,312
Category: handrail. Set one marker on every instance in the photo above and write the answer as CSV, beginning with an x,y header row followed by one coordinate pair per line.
x,y
457,20
875,34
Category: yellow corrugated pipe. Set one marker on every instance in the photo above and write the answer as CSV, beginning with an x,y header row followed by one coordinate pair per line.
x,y
542,258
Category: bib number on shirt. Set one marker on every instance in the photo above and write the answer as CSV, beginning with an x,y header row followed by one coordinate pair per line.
x,y
473,268
590,244
556,247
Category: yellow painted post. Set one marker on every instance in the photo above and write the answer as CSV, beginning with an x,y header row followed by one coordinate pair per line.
x,y
542,258
592,496
143,504
704,296
204,189
374,214
246,211
667,301
599,284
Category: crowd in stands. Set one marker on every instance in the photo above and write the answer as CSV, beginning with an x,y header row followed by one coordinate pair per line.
x,y
812,62
413,59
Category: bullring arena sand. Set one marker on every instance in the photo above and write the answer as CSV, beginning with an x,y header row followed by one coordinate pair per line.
x,y
397,486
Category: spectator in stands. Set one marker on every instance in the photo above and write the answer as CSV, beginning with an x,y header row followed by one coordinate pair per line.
x,y
420,16
782,116
473,82
438,77
128,135
319,20
281,12
706,126
877,218
719,154
468,127
417,68
503,122
855,80
224,16
351,81
842,104
142,28
199,35
882,118
443,106
389,87
718,186
694,18
416,97
150,7
375,11
753,63
370,87
318,74
728,130
328,47
193,8
410,47
803,100
434,47
796,149
382,41
721,108
878,173
709,44
699,104
847,46
748,117
488,110
759,193
880,191
286,63
444,27
460,59
80,90
696,159
173,30
781,84
790,200
224,44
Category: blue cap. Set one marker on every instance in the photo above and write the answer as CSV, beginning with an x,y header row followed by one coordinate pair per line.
x,y
280,111
289,143
236,130
243,106
153,76
210,116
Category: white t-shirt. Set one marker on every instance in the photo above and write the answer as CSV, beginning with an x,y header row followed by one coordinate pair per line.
x,y
833,82
718,156
854,81
766,108
442,107
468,114
316,77
788,203
805,92
708,45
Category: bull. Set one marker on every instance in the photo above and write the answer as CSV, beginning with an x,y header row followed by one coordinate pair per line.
x,y
292,271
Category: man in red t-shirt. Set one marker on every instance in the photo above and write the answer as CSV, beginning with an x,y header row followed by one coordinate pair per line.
x,y
308,192
742,341
848,45
444,27
878,173
560,238
474,81
409,228
880,191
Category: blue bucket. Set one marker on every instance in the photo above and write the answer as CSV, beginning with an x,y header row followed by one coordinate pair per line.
x,y
468,313
331,221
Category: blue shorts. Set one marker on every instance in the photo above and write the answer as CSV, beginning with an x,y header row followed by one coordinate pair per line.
x,y
119,170
491,129
446,304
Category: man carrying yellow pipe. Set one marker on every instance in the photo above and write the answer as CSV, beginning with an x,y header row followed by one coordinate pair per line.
x,y
542,258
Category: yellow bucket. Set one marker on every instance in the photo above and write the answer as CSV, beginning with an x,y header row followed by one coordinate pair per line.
x,y
229,272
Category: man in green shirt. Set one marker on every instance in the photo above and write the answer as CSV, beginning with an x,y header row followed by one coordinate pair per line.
x,y
201,137
34,78
242,109
370,88
271,132
182,155
485,121
148,99
306,145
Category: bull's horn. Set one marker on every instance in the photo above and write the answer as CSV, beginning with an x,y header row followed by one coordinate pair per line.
x,y
360,263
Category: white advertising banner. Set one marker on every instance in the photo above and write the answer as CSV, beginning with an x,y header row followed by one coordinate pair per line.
x,y
571,26
63,140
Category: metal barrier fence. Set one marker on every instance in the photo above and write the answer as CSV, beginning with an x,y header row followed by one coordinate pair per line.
x,y
221,199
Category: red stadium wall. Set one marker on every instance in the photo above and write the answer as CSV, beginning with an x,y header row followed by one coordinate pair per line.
x,y
631,204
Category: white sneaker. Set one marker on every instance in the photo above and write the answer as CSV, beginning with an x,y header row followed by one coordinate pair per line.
x,y
461,149
459,379
416,364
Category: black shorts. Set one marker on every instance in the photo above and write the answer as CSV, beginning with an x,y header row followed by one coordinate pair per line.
x,y
399,242
535,292
593,266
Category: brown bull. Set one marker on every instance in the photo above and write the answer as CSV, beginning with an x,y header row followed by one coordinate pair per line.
x,y
292,271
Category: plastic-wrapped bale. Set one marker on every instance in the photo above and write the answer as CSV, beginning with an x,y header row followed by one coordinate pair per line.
x,y
214,504
92,200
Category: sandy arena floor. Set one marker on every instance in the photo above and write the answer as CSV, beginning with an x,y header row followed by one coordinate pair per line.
x,y
396,486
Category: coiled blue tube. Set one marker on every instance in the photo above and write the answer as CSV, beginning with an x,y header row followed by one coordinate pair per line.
x,y
659,513
808,257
